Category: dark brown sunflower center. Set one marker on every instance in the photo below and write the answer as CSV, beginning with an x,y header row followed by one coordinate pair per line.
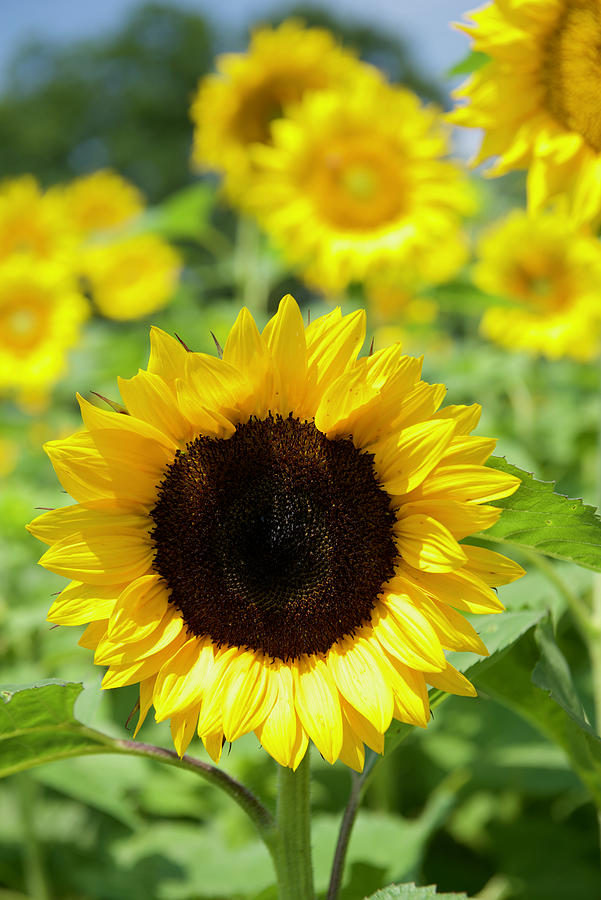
x,y
276,538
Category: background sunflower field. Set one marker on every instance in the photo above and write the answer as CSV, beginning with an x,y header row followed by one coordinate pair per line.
x,y
117,212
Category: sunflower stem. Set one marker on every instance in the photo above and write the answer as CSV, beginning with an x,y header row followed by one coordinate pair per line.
x,y
346,827
35,874
292,846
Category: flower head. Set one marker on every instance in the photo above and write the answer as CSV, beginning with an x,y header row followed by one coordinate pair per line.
x,y
553,275
131,277
41,313
101,200
357,184
236,107
33,222
268,542
538,98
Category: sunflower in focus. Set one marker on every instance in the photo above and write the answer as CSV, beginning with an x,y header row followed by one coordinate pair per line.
x,y
101,200
356,185
269,541
41,314
553,275
131,277
236,107
538,99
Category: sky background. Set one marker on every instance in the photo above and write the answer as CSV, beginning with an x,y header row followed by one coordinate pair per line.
x,y
424,23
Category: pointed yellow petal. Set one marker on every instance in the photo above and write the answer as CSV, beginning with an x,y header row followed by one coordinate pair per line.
x,y
451,681
417,630
247,351
167,355
333,342
249,692
100,559
181,681
459,517
95,632
465,449
120,676
477,483
318,705
454,632
404,644
462,590
80,468
405,460
491,567
146,689
80,603
210,720
139,609
465,417
96,419
150,398
426,544
285,337
93,517
363,728
183,728
352,752
357,674
278,733
213,744
342,402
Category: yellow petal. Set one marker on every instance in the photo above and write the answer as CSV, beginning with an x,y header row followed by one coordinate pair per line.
x,y
278,733
426,544
363,728
181,681
318,705
352,751
477,483
130,673
404,644
80,468
417,630
285,337
246,350
342,402
95,632
91,518
491,567
146,689
454,632
210,720
121,653
405,460
212,423
213,744
100,559
249,692
467,448
139,609
149,397
79,603
96,419
462,589
465,417
357,674
333,342
183,727
451,681
167,355
459,517
411,702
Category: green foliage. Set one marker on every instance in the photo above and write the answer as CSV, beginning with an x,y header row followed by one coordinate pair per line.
x,y
535,681
547,522
470,63
37,725
411,892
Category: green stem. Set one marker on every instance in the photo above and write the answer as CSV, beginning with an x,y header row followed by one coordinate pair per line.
x,y
291,849
346,827
249,268
35,874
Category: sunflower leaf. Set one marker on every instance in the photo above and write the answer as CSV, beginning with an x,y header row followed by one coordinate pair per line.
x,y
37,725
537,518
470,63
412,892
535,681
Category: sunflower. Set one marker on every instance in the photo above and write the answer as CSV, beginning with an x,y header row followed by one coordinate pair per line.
x,y
553,275
235,108
32,221
101,200
268,541
131,277
355,185
538,98
41,313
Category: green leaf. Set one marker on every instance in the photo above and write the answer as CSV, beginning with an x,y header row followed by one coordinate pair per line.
x,y
412,892
534,680
37,725
470,63
538,518
499,633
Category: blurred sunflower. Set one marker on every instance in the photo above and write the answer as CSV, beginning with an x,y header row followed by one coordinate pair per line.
x,y
32,221
356,185
101,200
553,273
41,313
131,277
268,542
235,108
538,99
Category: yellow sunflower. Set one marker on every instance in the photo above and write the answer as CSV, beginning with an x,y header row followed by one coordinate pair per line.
x,y
553,274
41,313
32,221
268,542
235,108
356,185
101,200
131,277
538,99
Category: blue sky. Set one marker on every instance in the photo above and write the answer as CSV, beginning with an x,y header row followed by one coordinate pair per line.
x,y
425,23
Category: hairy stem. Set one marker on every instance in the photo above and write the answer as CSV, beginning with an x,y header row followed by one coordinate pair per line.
x,y
292,847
